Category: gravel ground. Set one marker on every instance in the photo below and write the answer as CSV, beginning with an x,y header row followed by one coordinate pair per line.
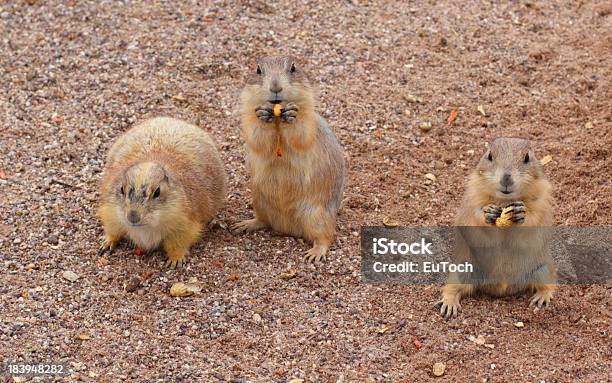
x,y
76,74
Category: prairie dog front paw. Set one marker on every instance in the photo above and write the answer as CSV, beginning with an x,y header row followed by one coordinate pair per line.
x,y
289,112
265,113
491,213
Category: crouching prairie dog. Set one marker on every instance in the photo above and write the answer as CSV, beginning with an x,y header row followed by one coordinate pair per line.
x,y
163,182
508,188
295,161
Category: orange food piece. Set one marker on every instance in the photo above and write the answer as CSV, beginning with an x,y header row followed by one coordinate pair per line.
x,y
138,251
277,110
452,116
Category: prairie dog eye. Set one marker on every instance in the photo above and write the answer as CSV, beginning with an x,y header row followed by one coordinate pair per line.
x,y
122,191
490,157
156,193
526,160
292,69
259,72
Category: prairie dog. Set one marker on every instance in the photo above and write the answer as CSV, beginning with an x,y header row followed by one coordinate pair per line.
x,y
163,182
295,161
508,175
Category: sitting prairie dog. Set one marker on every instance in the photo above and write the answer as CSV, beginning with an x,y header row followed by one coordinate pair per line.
x,y
296,163
507,176
163,182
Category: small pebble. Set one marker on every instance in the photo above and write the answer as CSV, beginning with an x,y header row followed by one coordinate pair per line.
x,y
411,98
425,126
70,276
482,111
180,289
438,369
287,275
480,340
132,285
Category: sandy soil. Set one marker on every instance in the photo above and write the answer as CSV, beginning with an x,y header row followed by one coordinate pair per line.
x,y
75,75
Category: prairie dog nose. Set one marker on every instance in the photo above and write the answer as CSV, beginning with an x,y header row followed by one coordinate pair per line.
x,y
275,86
133,217
506,180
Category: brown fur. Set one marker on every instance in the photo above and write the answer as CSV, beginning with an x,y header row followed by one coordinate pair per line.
x,y
298,193
484,188
183,162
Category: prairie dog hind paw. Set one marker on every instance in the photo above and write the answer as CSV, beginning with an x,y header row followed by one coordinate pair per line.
x,y
247,226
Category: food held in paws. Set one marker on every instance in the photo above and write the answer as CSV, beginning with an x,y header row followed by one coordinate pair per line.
x,y
505,218
277,110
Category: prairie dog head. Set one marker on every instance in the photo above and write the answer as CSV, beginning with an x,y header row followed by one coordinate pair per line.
x,y
508,168
277,80
143,193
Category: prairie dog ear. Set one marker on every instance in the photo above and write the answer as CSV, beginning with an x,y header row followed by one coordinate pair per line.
x,y
158,174
255,72
296,64
125,176
257,64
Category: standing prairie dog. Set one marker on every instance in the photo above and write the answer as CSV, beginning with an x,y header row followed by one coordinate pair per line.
x,y
507,176
295,161
163,182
